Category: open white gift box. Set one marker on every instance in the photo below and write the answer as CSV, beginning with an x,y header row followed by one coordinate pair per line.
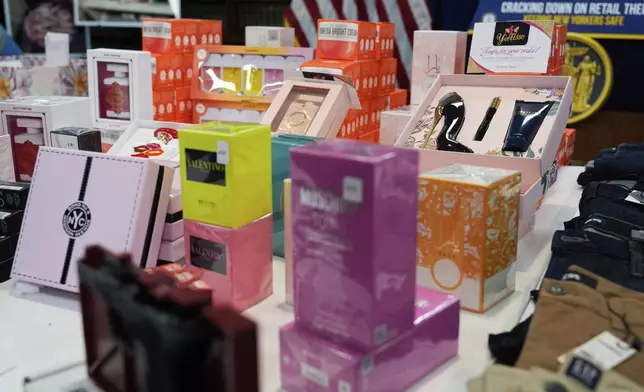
x,y
459,109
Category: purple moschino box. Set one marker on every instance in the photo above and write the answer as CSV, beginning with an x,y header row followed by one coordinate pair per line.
x,y
312,363
354,211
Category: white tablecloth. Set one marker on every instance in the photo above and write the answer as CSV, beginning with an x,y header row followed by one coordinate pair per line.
x,y
42,331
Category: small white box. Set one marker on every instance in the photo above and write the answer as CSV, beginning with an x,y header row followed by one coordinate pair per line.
x,y
48,113
275,37
149,139
393,122
80,198
120,87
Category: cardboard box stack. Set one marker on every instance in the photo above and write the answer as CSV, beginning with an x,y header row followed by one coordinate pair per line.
x,y
363,51
172,42
227,225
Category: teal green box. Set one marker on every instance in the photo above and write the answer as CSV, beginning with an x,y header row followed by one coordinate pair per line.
x,y
281,145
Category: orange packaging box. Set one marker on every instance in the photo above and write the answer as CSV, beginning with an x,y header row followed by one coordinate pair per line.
x,y
387,76
164,35
348,128
161,67
187,62
190,36
351,69
346,40
203,31
468,219
373,107
397,99
163,101
183,105
562,31
371,136
369,74
385,39
215,34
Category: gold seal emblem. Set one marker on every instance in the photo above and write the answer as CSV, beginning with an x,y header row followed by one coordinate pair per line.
x,y
591,70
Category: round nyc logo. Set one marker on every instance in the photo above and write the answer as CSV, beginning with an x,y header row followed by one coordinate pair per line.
x,y
77,219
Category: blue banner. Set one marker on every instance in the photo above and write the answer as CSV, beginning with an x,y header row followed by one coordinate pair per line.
x,y
599,19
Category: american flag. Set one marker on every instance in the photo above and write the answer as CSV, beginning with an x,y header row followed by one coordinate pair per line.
x,y
407,15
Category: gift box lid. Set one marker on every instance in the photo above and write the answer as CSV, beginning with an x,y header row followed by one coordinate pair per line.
x,y
81,198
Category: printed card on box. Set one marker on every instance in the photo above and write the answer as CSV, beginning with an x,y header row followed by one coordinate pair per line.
x,y
80,198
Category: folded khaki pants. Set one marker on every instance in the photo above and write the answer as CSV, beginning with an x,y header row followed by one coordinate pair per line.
x,y
571,312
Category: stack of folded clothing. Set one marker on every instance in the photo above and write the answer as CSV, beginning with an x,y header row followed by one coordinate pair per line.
x,y
591,301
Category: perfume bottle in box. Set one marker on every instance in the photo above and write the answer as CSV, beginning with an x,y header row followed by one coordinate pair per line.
x,y
80,198
236,263
367,196
29,121
311,363
76,138
235,73
218,161
120,85
27,136
312,105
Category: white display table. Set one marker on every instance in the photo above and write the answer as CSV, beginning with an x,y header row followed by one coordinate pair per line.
x,y
43,331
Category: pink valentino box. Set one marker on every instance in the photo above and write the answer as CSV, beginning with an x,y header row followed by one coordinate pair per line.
x,y
237,264
120,87
29,121
435,53
311,363
307,105
80,198
547,99
393,122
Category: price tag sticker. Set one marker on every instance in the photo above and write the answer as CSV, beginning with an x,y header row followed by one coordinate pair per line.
x,y
605,350
223,153
352,189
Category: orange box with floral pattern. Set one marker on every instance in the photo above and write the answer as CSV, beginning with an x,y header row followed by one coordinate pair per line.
x,y
468,220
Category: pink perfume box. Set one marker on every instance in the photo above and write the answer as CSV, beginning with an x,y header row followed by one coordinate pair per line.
x,y
311,363
393,122
80,198
120,87
435,53
354,209
311,107
288,242
237,264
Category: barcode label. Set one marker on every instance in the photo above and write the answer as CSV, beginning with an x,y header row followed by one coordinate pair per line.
x,y
157,30
273,35
315,375
335,31
223,154
154,66
344,386
352,189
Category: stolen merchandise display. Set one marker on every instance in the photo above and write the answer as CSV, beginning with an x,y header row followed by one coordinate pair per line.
x,y
172,233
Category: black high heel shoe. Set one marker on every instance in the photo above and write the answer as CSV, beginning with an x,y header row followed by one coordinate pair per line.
x,y
452,107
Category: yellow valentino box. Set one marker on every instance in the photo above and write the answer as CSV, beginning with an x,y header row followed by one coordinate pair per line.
x,y
226,172
468,219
